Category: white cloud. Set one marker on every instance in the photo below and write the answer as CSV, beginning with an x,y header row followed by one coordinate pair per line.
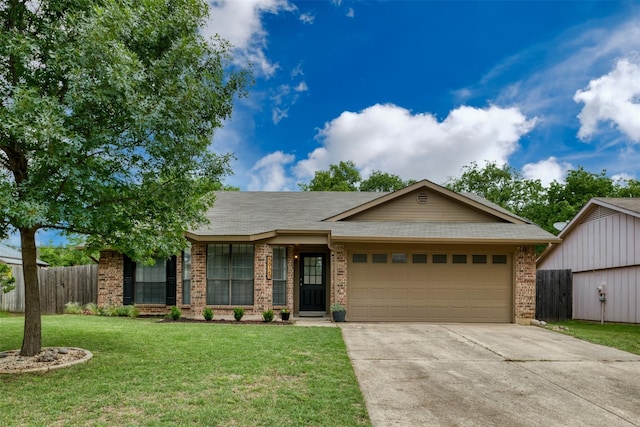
x,y
307,18
416,146
563,65
240,22
268,174
302,87
284,98
612,97
351,13
297,71
546,171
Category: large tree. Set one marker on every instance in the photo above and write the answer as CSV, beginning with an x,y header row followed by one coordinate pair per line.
x,y
107,110
345,176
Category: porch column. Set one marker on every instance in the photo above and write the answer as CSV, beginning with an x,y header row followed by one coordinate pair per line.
x,y
525,286
290,277
198,278
262,287
110,278
339,275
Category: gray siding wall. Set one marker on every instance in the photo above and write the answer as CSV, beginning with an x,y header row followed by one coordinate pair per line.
x,y
610,242
623,295
602,250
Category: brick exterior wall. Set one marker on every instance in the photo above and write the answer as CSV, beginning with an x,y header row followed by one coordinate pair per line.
x,y
198,279
110,290
338,281
262,287
525,286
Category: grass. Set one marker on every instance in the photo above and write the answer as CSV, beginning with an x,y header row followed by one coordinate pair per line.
x,y
148,373
622,336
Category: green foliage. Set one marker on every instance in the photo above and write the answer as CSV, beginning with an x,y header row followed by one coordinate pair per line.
x,y
625,337
121,311
6,279
238,313
381,181
262,376
346,177
107,112
207,313
341,177
90,308
64,256
72,308
268,315
506,187
284,310
337,307
175,312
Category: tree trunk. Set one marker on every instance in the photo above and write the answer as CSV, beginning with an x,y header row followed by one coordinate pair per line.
x,y
32,340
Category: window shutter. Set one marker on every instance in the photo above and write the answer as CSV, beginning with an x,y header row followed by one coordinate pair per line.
x,y
171,281
128,270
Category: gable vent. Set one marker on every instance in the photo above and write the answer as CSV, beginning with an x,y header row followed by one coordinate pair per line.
x,y
422,198
598,213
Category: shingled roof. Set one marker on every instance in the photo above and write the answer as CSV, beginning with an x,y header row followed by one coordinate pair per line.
x,y
255,216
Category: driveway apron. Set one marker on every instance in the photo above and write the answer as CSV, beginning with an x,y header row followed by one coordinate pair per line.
x,y
420,374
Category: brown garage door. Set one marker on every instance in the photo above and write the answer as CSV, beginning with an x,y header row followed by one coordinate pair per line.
x,y
429,286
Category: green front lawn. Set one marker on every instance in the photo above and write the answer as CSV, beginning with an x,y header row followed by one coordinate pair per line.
x,y
148,373
622,336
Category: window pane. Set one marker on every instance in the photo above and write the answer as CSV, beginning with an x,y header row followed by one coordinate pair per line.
x,y
151,283
419,258
399,258
230,274
379,258
459,259
499,259
218,261
242,262
242,292
479,259
279,296
359,258
217,292
439,258
279,292
186,275
279,263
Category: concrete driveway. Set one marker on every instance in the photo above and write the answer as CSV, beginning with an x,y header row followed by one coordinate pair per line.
x,y
417,374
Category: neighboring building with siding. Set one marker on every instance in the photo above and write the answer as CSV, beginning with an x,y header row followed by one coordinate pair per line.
x,y
601,245
423,253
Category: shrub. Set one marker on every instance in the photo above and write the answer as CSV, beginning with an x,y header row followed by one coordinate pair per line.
x,y
238,312
175,312
267,315
72,308
207,313
337,307
90,308
107,310
122,311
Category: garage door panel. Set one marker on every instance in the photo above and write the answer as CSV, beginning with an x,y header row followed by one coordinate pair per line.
x,y
430,292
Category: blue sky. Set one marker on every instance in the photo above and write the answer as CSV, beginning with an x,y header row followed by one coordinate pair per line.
x,y
422,88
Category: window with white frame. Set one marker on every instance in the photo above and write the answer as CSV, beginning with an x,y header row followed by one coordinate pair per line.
x,y
279,275
229,274
151,283
186,275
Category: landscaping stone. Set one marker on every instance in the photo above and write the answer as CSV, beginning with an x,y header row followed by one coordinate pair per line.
x,y
535,322
63,350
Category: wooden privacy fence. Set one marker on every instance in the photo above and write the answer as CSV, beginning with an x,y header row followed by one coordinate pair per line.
x,y
58,286
554,295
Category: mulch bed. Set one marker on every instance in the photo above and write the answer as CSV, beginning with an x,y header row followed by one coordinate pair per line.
x,y
229,322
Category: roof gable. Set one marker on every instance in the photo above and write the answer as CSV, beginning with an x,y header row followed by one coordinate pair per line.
x,y
597,208
425,201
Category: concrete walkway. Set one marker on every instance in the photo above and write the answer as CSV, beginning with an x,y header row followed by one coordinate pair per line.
x,y
416,374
